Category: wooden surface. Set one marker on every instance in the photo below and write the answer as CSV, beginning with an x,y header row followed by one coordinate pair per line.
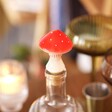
x,y
75,82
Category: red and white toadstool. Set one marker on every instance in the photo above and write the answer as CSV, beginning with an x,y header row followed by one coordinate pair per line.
x,y
55,43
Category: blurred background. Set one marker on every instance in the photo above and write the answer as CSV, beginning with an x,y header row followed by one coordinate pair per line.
x,y
24,22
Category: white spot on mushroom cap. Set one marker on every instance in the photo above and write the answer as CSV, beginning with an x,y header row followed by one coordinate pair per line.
x,y
50,39
59,34
62,41
51,32
56,45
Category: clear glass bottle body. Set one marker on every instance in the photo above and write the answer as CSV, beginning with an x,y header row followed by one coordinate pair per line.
x,y
56,99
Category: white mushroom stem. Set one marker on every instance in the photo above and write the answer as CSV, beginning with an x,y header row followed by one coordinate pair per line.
x,y
55,63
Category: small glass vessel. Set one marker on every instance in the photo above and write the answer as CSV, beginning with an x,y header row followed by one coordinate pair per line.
x,y
13,85
56,99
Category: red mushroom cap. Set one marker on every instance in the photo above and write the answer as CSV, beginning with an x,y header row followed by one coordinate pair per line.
x,y
56,42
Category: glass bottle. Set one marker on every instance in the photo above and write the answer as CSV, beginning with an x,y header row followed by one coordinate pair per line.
x,y
56,99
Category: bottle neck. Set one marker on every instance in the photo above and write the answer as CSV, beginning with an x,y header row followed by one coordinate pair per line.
x,y
56,85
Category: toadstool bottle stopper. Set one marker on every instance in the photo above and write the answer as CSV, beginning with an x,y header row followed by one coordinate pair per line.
x,y
55,43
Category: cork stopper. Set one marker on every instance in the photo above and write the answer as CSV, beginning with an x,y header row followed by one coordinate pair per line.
x,y
55,79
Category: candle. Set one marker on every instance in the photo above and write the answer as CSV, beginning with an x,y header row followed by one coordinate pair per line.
x,y
13,86
11,78
10,84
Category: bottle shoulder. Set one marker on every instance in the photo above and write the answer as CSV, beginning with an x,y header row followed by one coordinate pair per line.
x,y
57,104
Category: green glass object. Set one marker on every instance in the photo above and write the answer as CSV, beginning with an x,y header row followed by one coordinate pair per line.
x,y
91,34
